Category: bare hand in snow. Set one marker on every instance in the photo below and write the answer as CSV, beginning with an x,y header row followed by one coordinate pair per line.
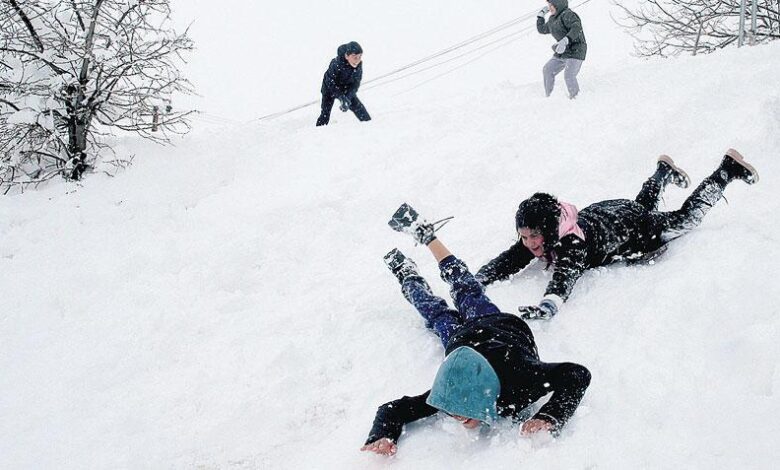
x,y
533,426
382,446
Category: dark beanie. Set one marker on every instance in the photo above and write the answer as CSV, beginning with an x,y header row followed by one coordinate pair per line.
x,y
353,48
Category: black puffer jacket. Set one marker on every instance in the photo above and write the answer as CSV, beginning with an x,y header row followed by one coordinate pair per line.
x,y
614,230
341,79
508,344
565,23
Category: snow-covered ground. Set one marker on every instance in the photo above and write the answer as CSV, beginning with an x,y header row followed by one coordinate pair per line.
x,y
222,304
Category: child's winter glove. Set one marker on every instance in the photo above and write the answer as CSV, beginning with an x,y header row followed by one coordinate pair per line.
x,y
546,309
560,46
543,12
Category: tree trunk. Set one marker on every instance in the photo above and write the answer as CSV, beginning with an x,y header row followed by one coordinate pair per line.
x,y
78,124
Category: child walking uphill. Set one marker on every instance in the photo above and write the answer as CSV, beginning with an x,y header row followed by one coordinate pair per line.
x,y
492,367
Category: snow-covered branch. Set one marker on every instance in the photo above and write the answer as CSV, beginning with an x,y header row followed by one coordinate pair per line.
x,y
672,27
73,70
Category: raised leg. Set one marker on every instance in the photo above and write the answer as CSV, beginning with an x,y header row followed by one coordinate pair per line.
x,y
439,318
467,293
705,196
666,172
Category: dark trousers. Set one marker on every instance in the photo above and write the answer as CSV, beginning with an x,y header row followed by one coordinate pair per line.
x,y
356,106
674,224
467,293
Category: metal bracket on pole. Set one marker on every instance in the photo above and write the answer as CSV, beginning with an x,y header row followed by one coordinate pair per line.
x,y
741,39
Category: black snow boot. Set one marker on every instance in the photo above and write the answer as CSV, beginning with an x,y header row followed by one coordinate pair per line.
x,y
733,166
407,220
677,175
401,266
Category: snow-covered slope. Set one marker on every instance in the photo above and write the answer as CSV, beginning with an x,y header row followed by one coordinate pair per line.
x,y
223,304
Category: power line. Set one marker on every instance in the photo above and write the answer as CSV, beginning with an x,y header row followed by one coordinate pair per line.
x,y
436,55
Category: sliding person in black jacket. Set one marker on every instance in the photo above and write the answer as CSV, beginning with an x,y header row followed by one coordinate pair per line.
x,y
492,366
341,82
606,231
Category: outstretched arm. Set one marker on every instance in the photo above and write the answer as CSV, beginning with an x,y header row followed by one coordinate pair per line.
x,y
568,382
569,266
504,265
391,418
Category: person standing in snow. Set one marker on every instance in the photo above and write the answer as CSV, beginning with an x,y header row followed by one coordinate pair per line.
x,y
492,367
341,82
607,231
570,48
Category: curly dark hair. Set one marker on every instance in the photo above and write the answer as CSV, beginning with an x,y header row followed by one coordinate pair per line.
x,y
540,212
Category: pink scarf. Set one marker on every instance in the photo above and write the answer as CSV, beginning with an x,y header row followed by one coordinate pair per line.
x,y
568,223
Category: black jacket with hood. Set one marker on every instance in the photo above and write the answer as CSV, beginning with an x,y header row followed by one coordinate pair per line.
x,y
341,79
614,230
508,345
565,23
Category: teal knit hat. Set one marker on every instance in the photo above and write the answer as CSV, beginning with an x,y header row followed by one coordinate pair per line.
x,y
466,385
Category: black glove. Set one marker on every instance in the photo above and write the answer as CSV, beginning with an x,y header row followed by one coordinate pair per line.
x,y
544,311
345,103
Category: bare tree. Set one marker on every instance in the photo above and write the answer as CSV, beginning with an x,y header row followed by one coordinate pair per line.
x,y
73,72
671,27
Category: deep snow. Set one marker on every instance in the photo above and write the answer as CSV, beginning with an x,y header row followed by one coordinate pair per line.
x,y
223,304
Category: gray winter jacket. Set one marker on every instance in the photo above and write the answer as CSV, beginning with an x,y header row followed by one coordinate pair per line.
x,y
565,23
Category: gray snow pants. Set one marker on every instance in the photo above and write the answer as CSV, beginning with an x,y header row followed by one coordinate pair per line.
x,y
554,66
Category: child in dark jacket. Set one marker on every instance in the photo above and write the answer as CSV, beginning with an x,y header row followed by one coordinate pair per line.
x,y
492,366
607,231
342,81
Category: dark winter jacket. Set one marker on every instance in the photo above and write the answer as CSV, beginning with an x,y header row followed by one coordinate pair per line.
x,y
341,79
508,344
565,23
614,230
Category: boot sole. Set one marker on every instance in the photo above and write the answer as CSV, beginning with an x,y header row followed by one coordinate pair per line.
x,y
737,157
668,160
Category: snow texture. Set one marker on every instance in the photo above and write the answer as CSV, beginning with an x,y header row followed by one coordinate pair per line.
x,y
223,304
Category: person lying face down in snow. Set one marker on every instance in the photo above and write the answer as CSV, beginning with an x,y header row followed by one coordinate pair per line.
x,y
492,367
607,231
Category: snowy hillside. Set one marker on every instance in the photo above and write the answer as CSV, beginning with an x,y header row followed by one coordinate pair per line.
x,y
223,304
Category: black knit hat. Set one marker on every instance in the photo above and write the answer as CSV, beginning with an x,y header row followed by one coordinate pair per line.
x,y
353,48
540,212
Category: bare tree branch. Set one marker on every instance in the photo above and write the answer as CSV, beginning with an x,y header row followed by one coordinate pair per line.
x,y
28,24
670,27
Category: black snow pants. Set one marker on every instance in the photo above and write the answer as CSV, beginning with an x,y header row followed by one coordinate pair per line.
x,y
356,106
674,224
